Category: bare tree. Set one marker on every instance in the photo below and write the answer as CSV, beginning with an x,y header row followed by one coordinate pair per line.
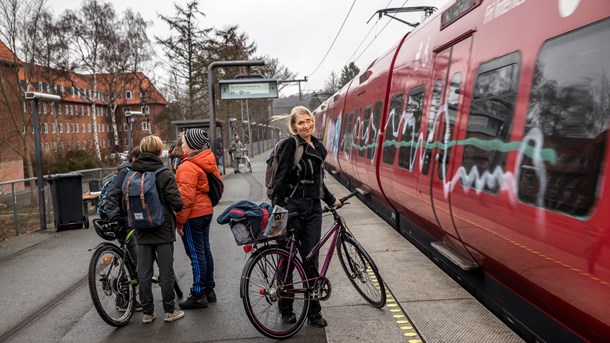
x,y
20,28
87,32
125,55
332,84
184,48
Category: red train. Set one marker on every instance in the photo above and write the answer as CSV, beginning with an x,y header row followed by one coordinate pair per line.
x,y
482,135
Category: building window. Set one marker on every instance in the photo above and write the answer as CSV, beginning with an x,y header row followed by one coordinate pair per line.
x,y
89,127
124,126
53,128
59,106
46,128
128,95
46,147
145,126
61,128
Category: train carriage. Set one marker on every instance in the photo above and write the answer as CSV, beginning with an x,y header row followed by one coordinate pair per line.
x,y
483,136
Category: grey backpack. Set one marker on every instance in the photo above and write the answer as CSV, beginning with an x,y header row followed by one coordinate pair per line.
x,y
273,162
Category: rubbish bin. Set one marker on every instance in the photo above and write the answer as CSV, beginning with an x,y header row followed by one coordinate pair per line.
x,y
67,196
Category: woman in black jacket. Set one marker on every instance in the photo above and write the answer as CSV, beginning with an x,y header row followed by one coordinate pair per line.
x,y
301,189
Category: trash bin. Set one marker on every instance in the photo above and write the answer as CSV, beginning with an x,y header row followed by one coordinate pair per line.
x,y
67,196
95,185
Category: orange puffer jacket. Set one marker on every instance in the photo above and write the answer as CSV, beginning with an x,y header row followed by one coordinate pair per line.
x,y
193,184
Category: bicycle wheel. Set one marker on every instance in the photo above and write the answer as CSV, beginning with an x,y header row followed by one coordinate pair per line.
x,y
248,166
265,285
361,271
111,285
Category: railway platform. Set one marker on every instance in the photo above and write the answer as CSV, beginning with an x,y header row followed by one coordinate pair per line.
x,y
49,301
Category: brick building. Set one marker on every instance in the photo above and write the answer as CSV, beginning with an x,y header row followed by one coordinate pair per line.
x,y
68,124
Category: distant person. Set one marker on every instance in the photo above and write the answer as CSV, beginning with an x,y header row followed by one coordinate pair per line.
x,y
158,242
218,151
194,220
175,155
302,191
235,149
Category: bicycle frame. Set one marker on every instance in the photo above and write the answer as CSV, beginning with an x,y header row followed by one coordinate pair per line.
x,y
331,234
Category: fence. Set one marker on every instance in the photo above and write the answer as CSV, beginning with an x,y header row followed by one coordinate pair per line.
x,y
19,206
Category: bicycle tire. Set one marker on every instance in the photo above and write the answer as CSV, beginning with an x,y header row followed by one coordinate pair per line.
x,y
112,288
361,271
261,294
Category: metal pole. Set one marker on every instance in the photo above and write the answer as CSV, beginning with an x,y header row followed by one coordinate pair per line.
x,y
129,142
211,97
249,130
38,154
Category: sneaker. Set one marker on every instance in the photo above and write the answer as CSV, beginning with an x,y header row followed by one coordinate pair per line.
x,y
210,296
148,318
317,321
289,318
170,317
136,308
194,301
154,279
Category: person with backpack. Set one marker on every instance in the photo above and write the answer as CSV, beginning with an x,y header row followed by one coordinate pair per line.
x,y
299,187
155,241
194,182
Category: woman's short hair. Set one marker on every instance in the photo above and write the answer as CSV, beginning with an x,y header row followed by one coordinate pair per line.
x,y
152,144
293,118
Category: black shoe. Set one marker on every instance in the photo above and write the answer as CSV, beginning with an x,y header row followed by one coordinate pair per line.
x,y
237,172
289,318
194,302
317,321
211,296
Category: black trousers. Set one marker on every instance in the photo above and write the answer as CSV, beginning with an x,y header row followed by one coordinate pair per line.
x,y
308,229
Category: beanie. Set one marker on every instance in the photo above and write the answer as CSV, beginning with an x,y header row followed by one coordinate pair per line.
x,y
196,138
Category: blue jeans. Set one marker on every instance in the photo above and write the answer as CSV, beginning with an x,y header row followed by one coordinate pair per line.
x,y
196,241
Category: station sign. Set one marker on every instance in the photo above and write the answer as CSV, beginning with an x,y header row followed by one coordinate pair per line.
x,y
248,89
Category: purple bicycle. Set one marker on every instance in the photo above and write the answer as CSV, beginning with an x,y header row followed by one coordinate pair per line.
x,y
275,272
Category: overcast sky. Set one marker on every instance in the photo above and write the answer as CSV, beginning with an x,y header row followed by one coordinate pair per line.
x,y
298,33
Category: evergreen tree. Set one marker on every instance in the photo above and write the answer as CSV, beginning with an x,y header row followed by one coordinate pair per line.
x,y
348,73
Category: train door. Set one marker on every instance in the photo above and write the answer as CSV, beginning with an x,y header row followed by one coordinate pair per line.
x,y
438,164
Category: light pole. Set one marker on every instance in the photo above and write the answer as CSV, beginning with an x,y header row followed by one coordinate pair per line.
x,y
128,117
36,96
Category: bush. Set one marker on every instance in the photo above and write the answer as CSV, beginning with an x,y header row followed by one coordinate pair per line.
x,y
72,160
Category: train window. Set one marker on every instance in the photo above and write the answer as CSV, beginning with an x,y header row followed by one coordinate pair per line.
x,y
431,124
366,133
348,139
567,122
391,130
374,131
452,105
411,123
356,137
489,122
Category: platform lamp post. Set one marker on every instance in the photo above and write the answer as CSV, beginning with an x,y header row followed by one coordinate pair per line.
x,y
36,97
129,117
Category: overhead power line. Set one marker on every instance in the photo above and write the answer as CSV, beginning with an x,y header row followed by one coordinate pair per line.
x,y
333,43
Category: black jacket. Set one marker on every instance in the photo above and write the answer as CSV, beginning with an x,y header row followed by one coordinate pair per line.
x,y
307,179
115,207
170,197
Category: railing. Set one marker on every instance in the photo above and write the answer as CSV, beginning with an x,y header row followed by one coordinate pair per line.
x,y
19,207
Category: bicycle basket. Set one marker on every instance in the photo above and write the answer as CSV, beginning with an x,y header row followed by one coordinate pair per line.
x,y
108,231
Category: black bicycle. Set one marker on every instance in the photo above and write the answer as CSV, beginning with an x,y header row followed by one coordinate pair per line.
x,y
275,272
112,274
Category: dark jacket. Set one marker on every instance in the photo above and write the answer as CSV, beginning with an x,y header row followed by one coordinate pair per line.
x,y
115,207
170,197
307,179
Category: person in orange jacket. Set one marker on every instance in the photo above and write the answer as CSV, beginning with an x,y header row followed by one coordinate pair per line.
x,y
193,222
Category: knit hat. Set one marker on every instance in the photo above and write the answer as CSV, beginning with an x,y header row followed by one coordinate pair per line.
x,y
196,139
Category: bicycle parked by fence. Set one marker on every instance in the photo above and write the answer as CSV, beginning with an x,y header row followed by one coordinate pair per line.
x,y
276,271
112,275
